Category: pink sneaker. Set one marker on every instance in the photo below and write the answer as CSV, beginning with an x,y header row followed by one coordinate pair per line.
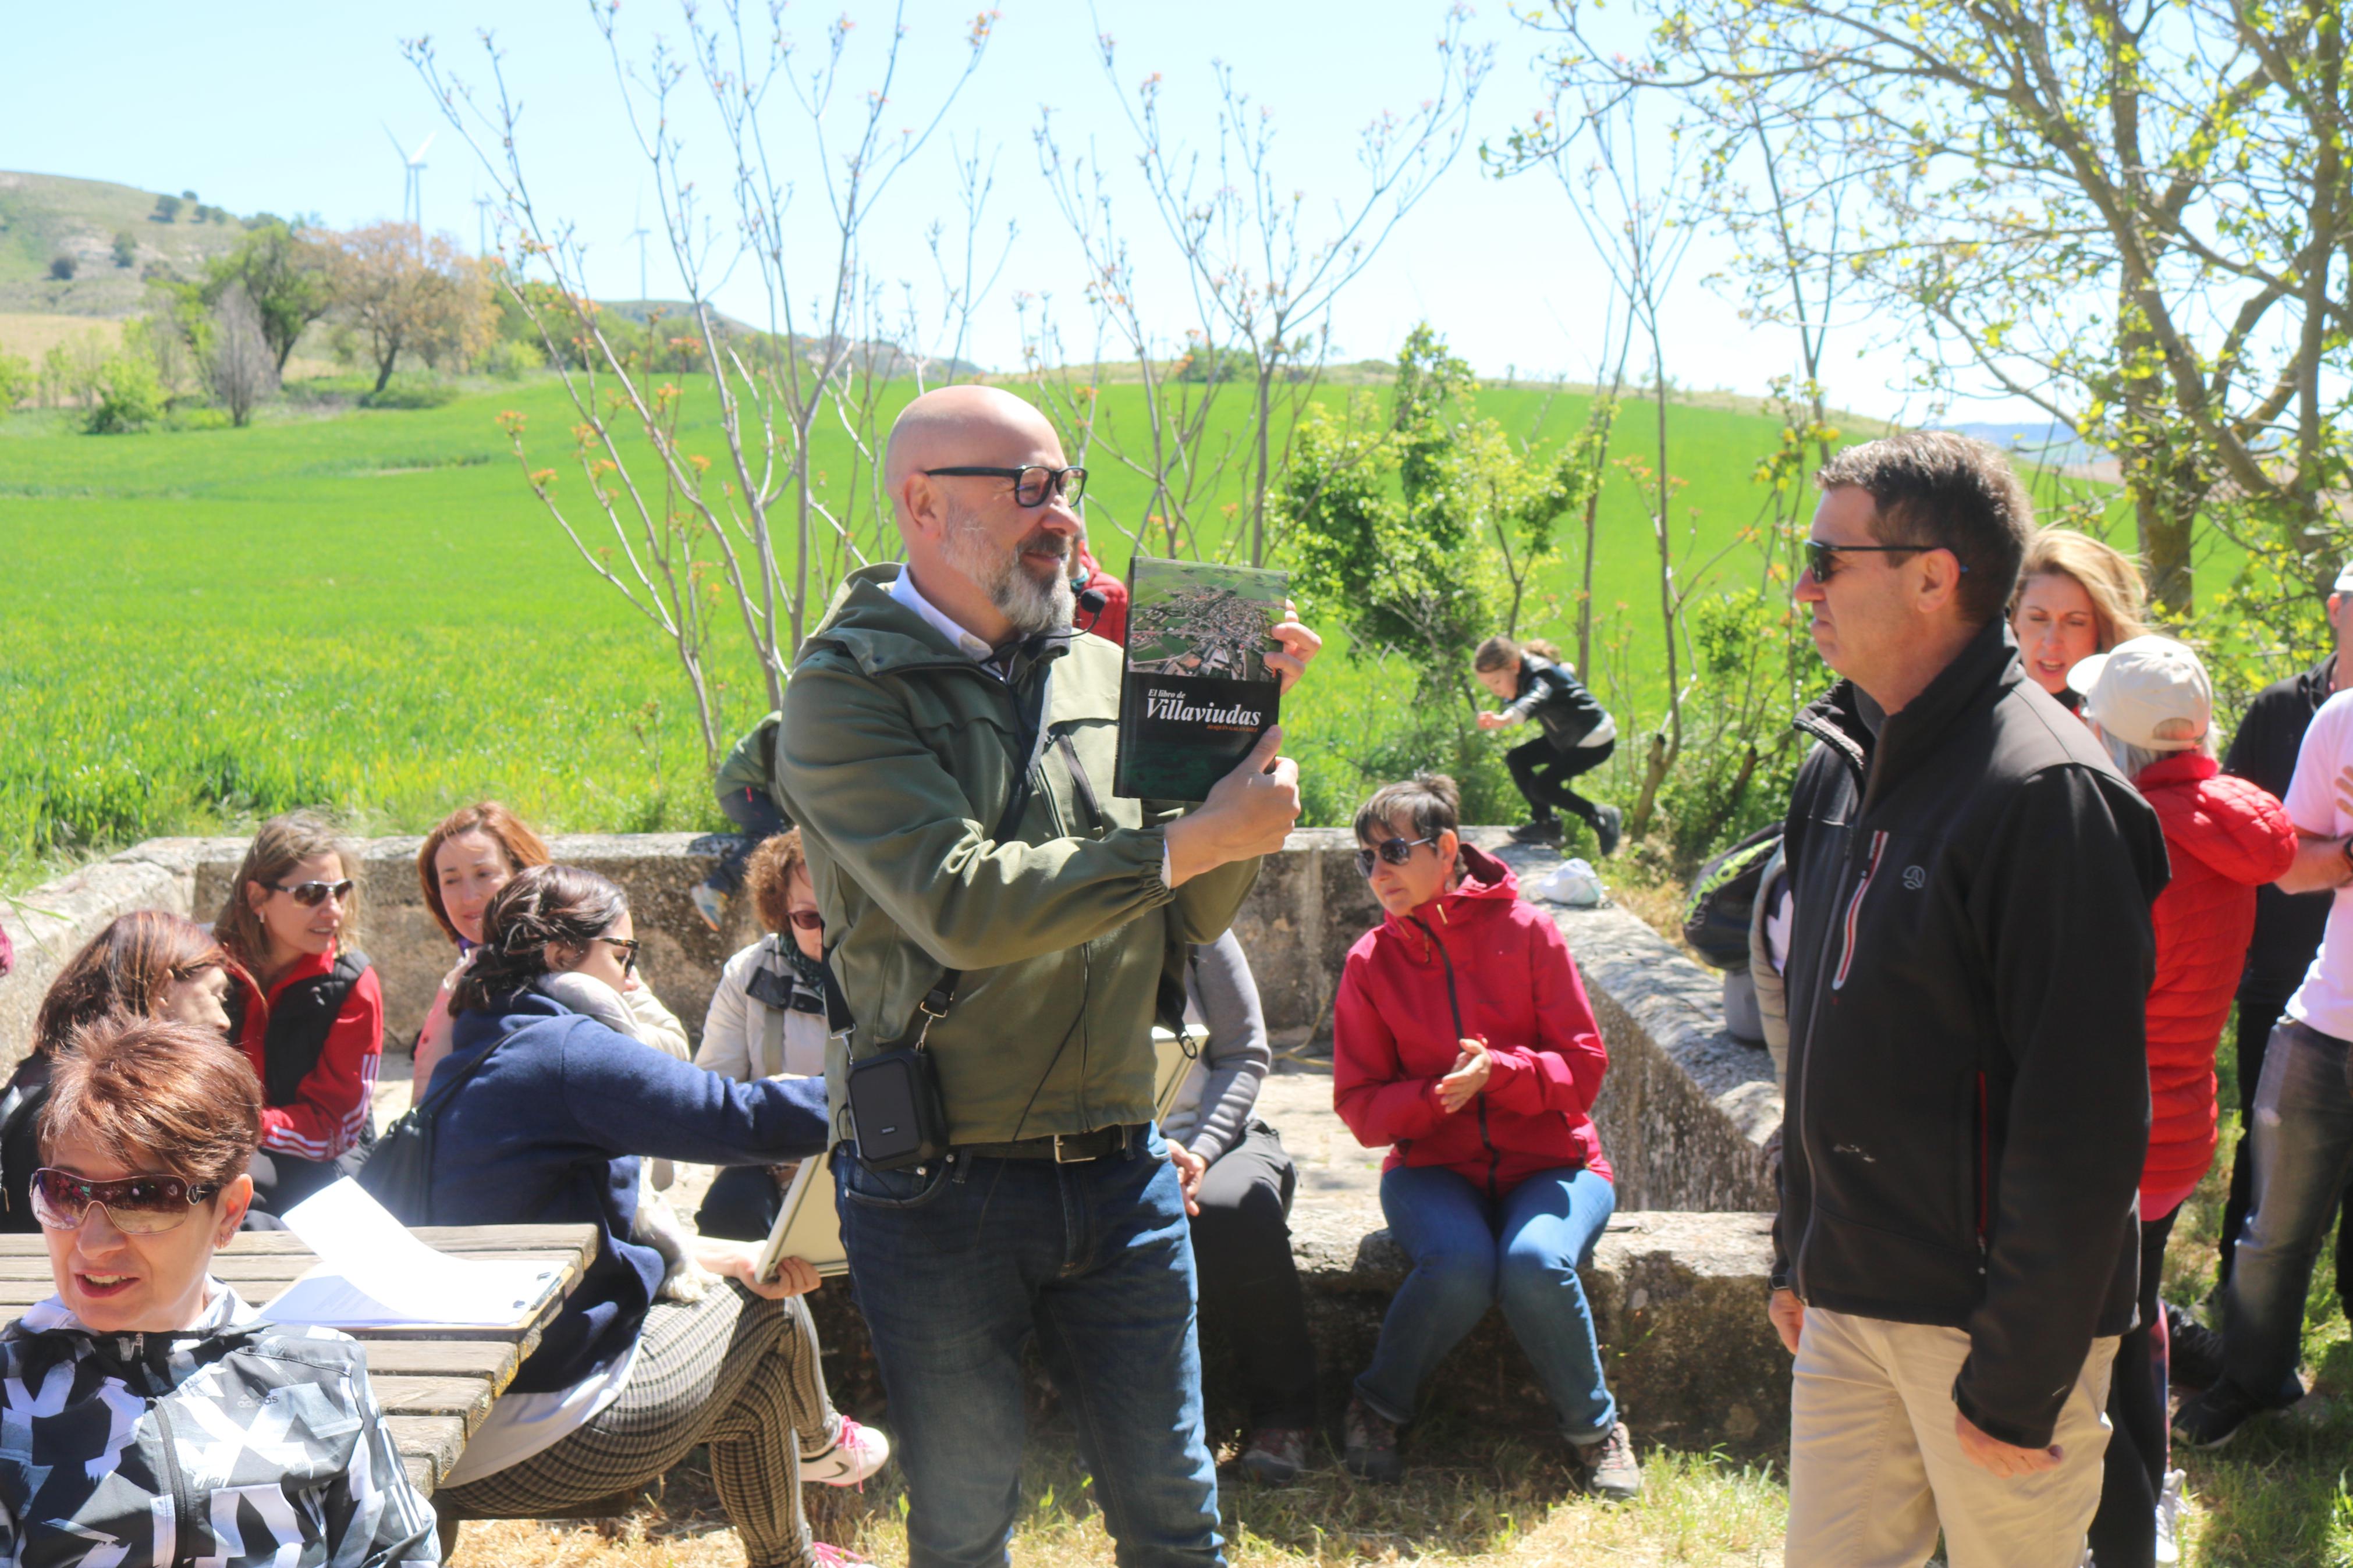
x,y
856,1455
828,1556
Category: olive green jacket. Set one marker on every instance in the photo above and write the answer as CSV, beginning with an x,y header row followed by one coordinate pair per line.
x,y
897,759
750,764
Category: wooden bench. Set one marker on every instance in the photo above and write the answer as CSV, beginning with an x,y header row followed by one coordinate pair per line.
x,y
434,1382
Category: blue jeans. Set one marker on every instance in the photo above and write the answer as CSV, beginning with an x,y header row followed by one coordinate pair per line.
x,y
1523,1252
753,812
2303,1135
957,1264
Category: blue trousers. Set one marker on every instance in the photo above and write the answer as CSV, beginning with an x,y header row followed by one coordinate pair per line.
x,y
1521,1253
755,817
957,1264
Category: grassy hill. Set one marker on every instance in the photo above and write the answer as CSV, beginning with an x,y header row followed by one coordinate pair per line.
x,y
46,216
366,609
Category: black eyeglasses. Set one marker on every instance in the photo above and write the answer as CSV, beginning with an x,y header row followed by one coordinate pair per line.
x,y
1821,555
1396,851
628,946
311,895
1033,484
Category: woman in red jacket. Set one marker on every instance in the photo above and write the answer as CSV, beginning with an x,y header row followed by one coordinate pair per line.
x,y
2149,700
310,1020
1462,1040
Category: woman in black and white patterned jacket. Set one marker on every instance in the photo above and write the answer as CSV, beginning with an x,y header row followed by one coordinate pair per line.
x,y
150,1414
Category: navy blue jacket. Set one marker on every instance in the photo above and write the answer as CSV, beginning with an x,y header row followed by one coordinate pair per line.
x,y
549,1132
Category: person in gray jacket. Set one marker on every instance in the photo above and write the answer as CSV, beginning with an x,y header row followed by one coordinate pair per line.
x,y
1249,1286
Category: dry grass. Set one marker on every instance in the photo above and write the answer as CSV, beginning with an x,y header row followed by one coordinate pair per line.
x,y
31,336
1513,1509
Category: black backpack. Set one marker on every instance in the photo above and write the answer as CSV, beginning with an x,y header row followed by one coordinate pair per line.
x,y
1724,898
398,1171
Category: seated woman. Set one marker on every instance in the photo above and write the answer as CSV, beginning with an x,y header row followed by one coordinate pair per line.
x,y
142,1360
549,1116
766,1020
148,964
473,853
308,1011
1250,1290
1462,1038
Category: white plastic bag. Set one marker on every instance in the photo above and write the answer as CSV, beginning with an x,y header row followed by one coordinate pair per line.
x,y
1575,883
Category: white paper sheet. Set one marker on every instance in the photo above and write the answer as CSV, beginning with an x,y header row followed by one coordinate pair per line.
x,y
372,1273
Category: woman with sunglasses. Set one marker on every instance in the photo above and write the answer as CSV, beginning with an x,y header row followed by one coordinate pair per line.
x,y
1579,736
143,1360
472,853
1462,1040
307,1010
767,1019
149,963
541,1116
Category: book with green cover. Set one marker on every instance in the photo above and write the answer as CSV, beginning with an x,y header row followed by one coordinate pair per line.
x,y
1197,693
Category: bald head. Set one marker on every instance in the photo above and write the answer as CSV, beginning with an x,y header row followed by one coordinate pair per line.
x,y
965,426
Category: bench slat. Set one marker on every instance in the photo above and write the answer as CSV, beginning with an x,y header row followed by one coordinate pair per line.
x,y
467,1398
436,1439
494,1361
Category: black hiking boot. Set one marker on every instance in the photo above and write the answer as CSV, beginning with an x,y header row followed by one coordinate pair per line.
x,y
1542,830
1369,1444
1606,829
2194,1351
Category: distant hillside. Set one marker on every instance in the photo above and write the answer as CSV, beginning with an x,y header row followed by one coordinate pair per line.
x,y
46,216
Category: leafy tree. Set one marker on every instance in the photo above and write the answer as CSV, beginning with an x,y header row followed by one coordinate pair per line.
x,y
289,277
167,210
129,396
2134,214
16,380
396,296
61,267
126,250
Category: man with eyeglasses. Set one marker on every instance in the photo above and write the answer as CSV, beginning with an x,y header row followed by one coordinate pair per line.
x,y
1957,1250
999,912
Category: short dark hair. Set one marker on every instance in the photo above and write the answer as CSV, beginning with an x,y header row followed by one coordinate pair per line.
x,y
1939,490
1431,802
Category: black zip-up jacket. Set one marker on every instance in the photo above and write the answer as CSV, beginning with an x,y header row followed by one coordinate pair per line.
x,y
2288,926
1969,963
1558,700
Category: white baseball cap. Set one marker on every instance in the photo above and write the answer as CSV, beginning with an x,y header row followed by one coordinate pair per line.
x,y
2344,584
2144,683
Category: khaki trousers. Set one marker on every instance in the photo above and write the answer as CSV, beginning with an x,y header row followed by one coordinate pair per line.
x,y
1875,1467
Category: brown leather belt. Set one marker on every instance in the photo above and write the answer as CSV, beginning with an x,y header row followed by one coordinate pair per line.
x,y
1061,1148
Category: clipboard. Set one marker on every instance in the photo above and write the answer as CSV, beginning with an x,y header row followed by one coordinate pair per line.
x,y
809,1225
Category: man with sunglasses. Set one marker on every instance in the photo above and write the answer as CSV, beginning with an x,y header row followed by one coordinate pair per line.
x,y
1957,1245
948,750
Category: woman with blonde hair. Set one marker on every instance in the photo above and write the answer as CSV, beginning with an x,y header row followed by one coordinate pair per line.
x,y
2077,596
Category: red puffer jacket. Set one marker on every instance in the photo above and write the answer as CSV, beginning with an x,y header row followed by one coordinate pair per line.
x,y
1506,967
2225,838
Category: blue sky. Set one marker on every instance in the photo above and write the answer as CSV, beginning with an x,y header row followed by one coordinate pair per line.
x,y
262,104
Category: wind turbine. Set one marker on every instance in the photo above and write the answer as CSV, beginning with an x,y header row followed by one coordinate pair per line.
x,y
639,234
412,195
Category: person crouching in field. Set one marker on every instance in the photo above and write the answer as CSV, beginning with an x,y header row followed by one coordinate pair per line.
x,y
1579,736
308,1011
2150,702
1462,1040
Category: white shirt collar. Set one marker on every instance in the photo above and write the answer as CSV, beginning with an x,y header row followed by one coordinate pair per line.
x,y
903,590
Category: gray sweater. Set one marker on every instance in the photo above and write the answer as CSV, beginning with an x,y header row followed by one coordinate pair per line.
x,y
1214,1104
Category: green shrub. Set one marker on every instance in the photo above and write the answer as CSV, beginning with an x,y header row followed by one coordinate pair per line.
x,y
411,391
509,359
130,396
17,380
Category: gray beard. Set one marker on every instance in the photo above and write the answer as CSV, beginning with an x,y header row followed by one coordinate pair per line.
x,y
1032,606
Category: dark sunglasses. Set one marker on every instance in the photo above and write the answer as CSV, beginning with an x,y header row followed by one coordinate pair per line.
x,y
135,1205
628,946
807,919
1033,483
1822,557
1396,851
311,895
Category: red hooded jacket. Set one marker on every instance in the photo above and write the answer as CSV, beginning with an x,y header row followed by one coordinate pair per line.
x,y
2226,837
1504,967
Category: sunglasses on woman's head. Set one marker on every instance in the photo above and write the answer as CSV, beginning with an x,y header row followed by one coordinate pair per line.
x,y
311,895
1396,851
135,1205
